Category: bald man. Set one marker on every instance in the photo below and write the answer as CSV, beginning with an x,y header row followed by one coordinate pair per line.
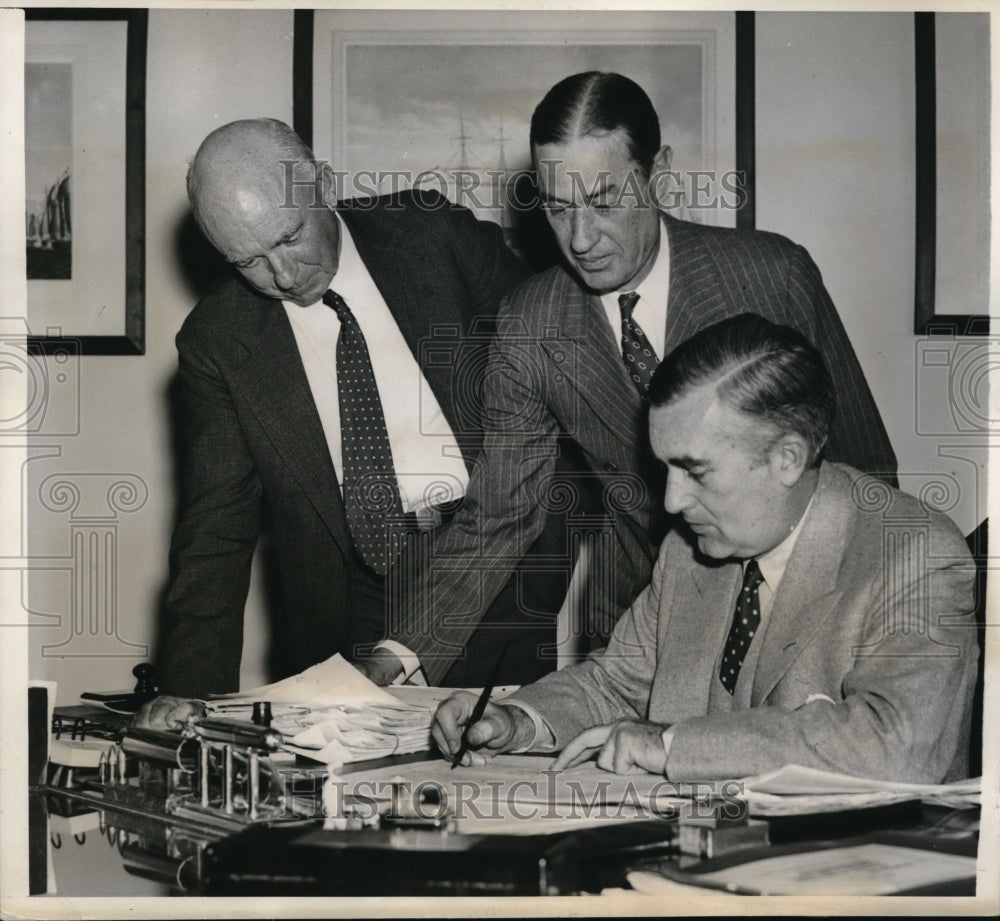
x,y
269,421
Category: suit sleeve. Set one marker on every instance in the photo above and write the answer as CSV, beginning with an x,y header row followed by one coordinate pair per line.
x,y
471,559
902,712
210,557
858,436
614,683
490,269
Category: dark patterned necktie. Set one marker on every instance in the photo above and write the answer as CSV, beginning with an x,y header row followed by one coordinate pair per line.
x,y
371,491
640,358
746,620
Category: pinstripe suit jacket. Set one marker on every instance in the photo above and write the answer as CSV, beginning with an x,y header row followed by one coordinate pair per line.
x,y
253,442
556,371
865,665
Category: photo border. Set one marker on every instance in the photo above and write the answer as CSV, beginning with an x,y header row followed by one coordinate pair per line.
x,y
133,340
926,320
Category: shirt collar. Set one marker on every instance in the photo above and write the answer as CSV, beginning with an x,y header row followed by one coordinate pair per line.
x,y
352,276
773,563
655,287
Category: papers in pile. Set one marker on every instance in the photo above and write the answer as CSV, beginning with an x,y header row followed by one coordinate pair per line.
x,y
797,790
334,714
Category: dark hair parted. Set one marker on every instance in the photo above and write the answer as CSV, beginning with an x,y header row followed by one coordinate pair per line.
x,y
759,368
597,102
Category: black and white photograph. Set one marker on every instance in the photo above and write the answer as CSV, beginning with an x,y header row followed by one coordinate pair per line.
x,y
498,462
48,160
84,97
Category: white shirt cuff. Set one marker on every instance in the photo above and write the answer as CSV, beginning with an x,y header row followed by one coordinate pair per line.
x,y
668,739
543,740
412,670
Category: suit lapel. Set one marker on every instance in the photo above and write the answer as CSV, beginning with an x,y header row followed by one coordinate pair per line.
x,y
808,592
275,386
597,371
696,297
409,293
690,641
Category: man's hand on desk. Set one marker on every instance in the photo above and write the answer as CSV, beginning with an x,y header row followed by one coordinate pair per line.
x,y
380,667
625,747
501,729
167,713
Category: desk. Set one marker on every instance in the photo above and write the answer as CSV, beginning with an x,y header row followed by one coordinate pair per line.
x,y
114,833
108,850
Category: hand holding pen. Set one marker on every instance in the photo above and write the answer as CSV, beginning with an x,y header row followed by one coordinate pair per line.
x,y
464,739
479,709
469,729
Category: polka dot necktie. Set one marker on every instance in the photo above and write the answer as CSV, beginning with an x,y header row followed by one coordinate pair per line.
x,y
371,491
640,358
746,620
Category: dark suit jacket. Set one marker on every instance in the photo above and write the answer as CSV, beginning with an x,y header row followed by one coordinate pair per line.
x,y
556,371
866,664
251,433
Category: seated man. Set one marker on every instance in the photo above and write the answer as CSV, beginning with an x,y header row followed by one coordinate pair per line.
x,y
804,613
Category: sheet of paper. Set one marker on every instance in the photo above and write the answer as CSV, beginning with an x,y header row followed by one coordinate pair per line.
x,y
797,790
794,778
518,790
512,795
864,869
328,683
431,696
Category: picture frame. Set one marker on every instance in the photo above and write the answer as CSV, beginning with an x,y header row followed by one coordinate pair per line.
x,y
85,152
951,54
472,80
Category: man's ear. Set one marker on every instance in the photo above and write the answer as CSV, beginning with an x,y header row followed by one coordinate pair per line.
x,y
789,458
660,177
328,185
662,160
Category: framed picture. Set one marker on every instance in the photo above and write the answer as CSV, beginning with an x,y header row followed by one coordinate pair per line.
x,y
952,52
85,92
443,100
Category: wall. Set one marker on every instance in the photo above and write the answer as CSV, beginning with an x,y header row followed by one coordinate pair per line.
x,y
205,68
835,123
835,172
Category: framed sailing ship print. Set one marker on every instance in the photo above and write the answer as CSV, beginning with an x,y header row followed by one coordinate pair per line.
x,y
85,179
443,102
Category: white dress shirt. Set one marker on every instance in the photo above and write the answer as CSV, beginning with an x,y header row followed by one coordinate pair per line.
x,y
425,454
650,311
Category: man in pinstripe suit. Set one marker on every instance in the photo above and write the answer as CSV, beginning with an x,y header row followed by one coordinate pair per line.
x,y
577,346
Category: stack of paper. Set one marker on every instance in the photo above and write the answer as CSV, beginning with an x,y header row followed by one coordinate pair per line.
x,y
334,714
797,790
337,735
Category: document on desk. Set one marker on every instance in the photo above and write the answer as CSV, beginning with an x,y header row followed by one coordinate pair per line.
x,y
519,794
797,790
332,682
863,869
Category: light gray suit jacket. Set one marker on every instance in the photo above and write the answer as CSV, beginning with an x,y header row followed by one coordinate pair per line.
x,y
874,613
